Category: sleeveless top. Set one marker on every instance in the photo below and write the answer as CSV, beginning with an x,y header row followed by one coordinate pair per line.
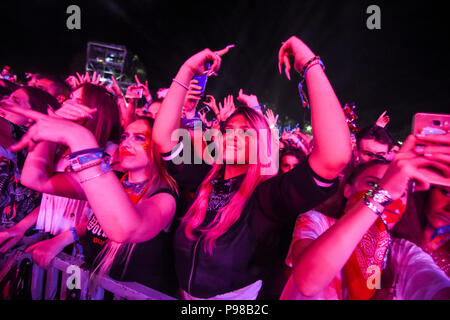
x,y
150,263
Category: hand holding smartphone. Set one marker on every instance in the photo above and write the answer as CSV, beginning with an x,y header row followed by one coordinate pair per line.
x,y
433,140
134,92
202,80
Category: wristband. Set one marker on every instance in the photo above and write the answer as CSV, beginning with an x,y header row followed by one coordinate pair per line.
x,y
86,161
84,151
104,166
307,66
78,246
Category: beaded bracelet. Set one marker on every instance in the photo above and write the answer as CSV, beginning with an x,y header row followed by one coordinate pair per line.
x,y
314,61
78,246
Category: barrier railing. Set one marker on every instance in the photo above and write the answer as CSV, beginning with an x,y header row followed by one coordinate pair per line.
x,y
66,278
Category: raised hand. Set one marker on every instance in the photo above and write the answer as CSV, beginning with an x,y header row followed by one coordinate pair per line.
x,y
197,63
146,91
193,96
96,78
296,48
114,87
383,120
249,100
74,111
202,115
51,128
426,166
227,109
212,104
72,81
270,118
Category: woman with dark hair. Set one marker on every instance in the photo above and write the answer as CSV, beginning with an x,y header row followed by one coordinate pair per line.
x,y
17,201
290,158
128,233
354,256
228,237
94,108
426,223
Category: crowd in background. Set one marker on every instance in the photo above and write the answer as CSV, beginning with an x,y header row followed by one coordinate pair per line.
x,y
347,214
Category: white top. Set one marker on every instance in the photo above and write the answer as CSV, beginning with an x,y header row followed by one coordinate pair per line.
x,y
58,214
418,277
249,292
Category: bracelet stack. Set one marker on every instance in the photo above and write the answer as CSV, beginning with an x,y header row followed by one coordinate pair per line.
x,y
314,61
89,158
379,196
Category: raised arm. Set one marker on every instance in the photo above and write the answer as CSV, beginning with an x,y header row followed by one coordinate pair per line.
x,y
121,220
332,147
168,118
38,174
317,262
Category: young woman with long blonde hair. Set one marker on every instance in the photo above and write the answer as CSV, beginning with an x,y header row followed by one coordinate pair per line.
x,y
229,235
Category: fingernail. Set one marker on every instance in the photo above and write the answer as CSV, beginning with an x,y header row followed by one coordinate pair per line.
x,y
89,116
419,149
428,155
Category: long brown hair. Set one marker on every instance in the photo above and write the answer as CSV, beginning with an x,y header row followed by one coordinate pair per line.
x,y
230,213
105,124
111,250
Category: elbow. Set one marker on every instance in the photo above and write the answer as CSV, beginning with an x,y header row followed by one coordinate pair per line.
x,y
342,156
305,286
30,182
339,161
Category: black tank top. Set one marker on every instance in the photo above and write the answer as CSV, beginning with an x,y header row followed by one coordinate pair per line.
x,y
151,262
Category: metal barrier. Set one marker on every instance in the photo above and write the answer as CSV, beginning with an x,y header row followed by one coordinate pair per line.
x,y
66,273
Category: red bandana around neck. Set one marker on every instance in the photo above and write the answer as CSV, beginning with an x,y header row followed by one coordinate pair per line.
x,y
370,253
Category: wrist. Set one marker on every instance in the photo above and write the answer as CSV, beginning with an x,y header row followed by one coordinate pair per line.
x,y
394,188
185,71
82,139
18,229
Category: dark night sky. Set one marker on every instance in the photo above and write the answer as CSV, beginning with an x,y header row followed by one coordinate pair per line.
x,y
402,67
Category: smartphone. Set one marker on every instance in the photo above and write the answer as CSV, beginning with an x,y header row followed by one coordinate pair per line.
x,y
203,79
431,124
134,93
204,108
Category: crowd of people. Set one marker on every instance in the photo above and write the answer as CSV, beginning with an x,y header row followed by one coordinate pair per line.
x,y
212,200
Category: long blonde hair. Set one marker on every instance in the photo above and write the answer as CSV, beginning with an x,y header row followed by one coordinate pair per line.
x,y
230,213
111,250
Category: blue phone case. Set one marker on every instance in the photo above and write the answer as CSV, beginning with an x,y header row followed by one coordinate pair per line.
x,y
203,79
